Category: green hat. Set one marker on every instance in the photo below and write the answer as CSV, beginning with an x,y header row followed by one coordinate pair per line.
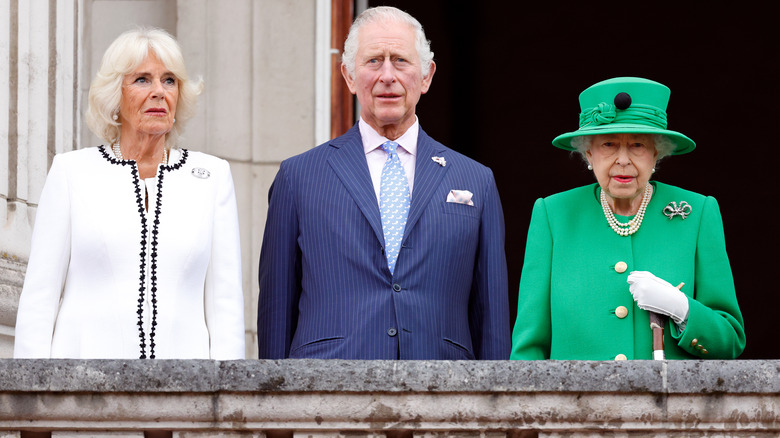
x,y
625,106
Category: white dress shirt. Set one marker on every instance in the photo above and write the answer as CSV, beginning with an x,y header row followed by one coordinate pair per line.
x,y
376,156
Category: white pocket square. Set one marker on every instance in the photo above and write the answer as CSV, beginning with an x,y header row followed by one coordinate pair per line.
x,y
460,197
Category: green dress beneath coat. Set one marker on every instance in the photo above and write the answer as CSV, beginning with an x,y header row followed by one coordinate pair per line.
x,y
574,301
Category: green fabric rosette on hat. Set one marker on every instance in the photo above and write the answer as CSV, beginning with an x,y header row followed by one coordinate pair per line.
x,y
625,105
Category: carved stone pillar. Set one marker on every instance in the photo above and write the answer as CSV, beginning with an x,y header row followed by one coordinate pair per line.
x,y
39,117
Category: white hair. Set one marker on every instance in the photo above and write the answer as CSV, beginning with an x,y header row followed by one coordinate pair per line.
x,y
386,14
663,144
122,57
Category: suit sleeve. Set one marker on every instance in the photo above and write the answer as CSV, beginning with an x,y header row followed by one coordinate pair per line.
x,y
532,335
489,307
46,269
279,274
714,318
224,296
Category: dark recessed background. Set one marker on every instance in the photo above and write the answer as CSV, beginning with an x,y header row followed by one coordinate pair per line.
x,y
507,81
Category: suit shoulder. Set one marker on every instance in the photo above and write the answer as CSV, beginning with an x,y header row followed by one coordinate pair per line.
x,y
350,138
471,162
311,154
455,156
459,160
314,160
304,161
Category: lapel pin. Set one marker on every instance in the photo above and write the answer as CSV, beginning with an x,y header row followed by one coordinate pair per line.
x,y
200,172
440,161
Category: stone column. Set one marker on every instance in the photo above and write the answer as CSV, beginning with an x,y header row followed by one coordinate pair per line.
x,y
257,60
39,117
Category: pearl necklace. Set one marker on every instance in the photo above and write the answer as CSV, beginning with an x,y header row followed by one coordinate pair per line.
x,y
633,225
118,153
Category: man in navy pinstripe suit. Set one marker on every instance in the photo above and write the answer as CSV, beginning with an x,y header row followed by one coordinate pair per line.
x,y
327,286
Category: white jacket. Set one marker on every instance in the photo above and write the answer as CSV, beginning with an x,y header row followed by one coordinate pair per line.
x,y
109,279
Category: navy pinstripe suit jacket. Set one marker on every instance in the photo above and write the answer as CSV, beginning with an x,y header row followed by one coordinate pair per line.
x,y
326,290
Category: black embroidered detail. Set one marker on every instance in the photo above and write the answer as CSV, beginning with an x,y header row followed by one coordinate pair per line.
x,y
144,236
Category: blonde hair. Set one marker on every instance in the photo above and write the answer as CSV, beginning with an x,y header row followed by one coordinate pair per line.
x,y
122,57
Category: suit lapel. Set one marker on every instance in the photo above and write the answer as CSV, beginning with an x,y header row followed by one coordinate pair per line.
x,y
348,161
427,177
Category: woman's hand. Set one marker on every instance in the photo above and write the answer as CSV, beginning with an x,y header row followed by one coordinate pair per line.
x,y
657,295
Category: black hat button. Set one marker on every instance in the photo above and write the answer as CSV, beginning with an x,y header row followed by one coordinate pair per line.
x,y
622,100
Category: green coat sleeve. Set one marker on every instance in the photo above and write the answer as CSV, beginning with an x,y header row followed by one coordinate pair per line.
x,y
715,329
532,332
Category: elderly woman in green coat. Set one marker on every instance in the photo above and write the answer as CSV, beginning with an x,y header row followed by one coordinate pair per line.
x,y
600,258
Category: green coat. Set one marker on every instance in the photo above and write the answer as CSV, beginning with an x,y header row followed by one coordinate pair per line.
x,y
571,292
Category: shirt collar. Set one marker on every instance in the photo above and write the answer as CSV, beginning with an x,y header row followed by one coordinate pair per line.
x,y
372,139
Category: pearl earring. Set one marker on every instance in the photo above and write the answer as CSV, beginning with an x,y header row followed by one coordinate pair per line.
x,y
590,167
653,171
115,117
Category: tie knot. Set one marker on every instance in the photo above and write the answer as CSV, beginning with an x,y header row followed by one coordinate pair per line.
x,y
389,147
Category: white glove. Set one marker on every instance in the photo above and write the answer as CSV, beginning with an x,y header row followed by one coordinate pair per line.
x,y
657,295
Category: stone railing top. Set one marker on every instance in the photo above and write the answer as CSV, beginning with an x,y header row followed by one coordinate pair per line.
x,y
197,376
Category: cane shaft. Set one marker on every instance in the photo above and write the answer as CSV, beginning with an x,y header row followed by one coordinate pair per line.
x,y
657,324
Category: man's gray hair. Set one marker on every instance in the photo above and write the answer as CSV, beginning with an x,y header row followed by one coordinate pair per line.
x,y
386,14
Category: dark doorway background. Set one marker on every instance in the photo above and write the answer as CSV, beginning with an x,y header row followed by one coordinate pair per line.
x,y
507,82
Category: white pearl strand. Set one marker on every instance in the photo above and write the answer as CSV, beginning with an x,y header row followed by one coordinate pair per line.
x,y
633,225
118,153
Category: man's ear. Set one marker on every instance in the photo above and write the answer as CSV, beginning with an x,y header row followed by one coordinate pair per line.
x,y
426,82
348,79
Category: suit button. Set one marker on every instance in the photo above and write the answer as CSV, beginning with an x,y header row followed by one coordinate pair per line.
x,y
694,342
704,351
621,312
620,267
392,332
397,287
621,357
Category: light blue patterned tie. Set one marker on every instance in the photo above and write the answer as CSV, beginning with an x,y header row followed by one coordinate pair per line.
x,y
394,203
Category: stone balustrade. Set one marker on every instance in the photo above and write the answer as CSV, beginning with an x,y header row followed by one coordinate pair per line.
x,y
336,398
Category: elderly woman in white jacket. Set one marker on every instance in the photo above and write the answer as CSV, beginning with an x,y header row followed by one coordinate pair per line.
x,y
135,252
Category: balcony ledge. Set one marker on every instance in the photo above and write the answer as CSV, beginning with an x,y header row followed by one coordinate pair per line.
x,y
337,397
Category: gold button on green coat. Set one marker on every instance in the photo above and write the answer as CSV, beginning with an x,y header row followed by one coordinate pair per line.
x,y
570,288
